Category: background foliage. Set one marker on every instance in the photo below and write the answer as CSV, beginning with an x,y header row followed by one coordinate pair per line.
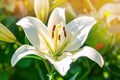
x,y
100,38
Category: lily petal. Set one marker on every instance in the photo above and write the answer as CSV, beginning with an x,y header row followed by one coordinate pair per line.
x,y
35,31
112,18
22,52
63,65
56,17
78,30
91,54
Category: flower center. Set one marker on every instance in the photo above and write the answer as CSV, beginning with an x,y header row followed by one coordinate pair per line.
x,y
58,36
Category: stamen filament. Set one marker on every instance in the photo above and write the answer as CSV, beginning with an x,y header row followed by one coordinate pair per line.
x,y
56,36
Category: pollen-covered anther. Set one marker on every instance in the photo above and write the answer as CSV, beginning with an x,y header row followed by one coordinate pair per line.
x,y
52,34
59,37
64,32
54,28
53,31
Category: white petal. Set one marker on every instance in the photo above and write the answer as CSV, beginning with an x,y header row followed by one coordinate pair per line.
x,y
78,30
91,54
115,28
63,65
22,52
112,18
35,31
56,17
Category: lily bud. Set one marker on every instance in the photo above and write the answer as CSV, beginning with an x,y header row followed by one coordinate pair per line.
x,y
6,35
41,8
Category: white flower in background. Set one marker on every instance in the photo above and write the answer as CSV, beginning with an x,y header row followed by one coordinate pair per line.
x,y
111,11
58,43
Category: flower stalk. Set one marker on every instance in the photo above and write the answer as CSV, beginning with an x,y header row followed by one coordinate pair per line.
x,y
18,43
47,66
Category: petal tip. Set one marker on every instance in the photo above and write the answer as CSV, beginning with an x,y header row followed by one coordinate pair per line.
x,y
12,65
102,63
12,62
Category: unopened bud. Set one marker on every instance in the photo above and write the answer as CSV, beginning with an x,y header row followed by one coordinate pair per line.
x,y
41,8
6,35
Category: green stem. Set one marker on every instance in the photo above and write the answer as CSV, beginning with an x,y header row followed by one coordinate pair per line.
x,y
18,43
113,40
49,70
47,66
40,72
84,76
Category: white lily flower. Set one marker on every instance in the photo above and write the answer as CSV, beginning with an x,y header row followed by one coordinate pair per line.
x,y
111,11
58,43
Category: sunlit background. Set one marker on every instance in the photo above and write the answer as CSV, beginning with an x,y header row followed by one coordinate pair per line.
x,y
104,37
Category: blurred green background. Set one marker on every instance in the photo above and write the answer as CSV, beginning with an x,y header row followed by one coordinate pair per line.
x,y
100,38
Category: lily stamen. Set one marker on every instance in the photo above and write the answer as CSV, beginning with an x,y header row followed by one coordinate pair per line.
x,y
52,34
53,31
65,35
59,37
54,28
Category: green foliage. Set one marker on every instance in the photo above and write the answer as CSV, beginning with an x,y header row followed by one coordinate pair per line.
x,y
99,35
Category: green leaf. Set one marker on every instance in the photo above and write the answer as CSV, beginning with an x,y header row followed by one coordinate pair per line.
x,y
24,63
74,76
4,76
